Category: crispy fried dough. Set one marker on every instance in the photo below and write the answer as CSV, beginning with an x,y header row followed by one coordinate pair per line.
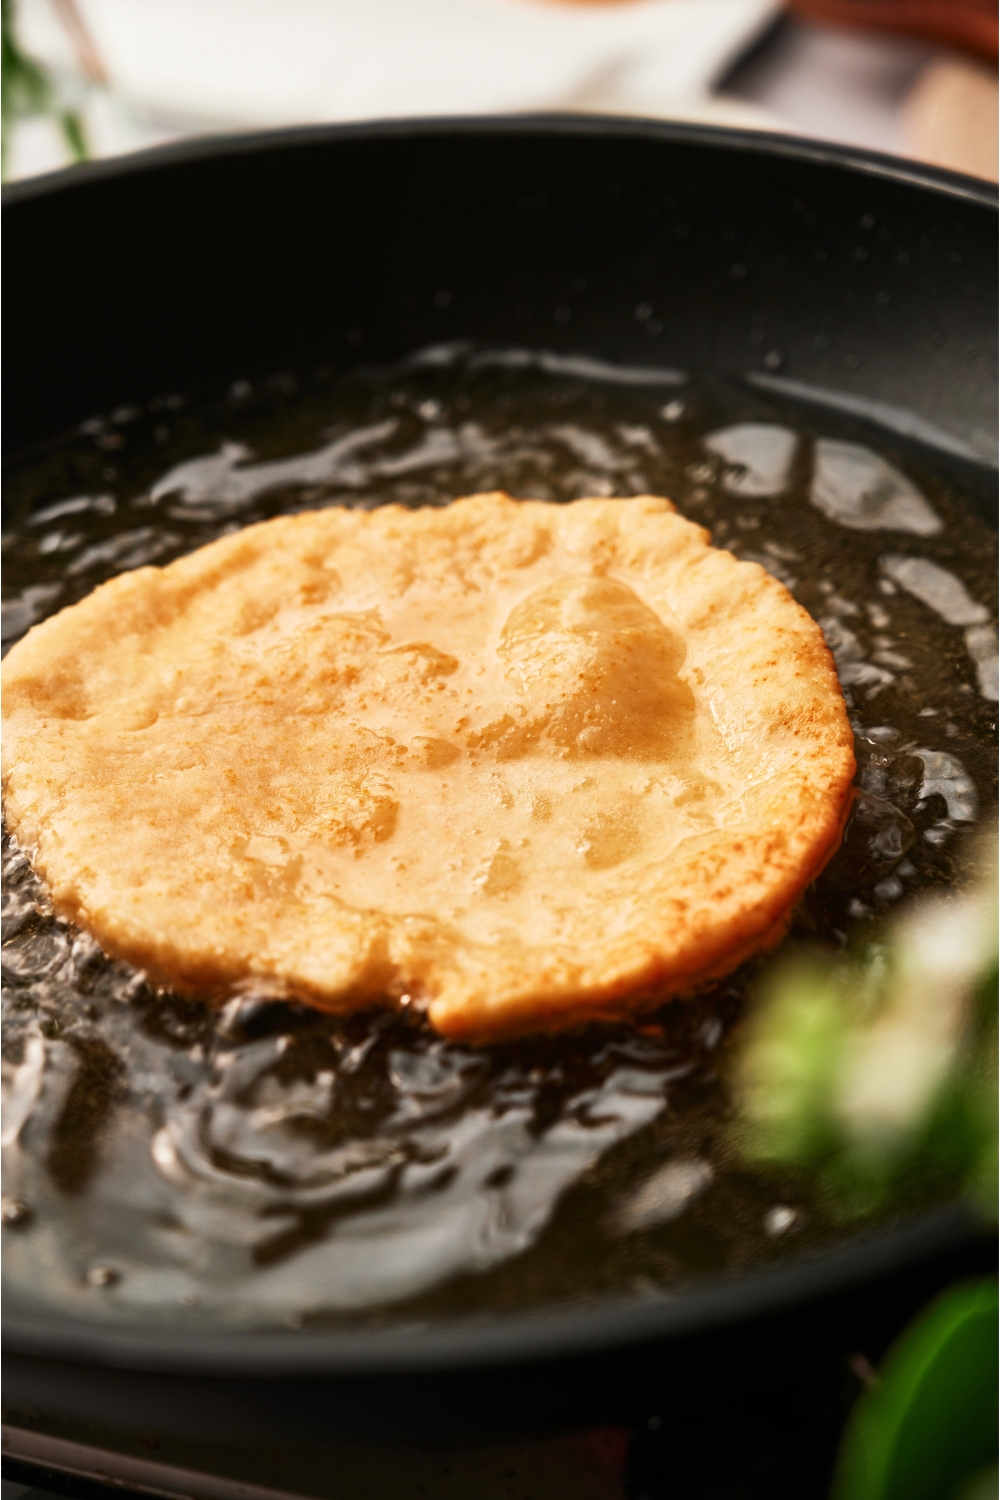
x,y
525,763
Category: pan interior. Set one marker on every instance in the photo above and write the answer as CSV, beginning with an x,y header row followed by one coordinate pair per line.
x,y
268,1166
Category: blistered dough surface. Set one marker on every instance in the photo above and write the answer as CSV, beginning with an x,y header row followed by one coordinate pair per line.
x,y
525,763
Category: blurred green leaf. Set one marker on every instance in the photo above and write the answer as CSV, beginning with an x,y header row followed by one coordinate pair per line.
x,y
928,1429
874,1073
73,134
27,90
789,1070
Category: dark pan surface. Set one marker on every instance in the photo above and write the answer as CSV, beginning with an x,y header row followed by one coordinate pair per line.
x,y
804,277
332,245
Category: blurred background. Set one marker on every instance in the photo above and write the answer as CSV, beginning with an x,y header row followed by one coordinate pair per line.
x,y
916,78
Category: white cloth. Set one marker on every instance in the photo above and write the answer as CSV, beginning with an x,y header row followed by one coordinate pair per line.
x,y
186,65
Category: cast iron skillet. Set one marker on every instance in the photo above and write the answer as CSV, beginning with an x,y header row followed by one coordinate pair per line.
x,y
868,279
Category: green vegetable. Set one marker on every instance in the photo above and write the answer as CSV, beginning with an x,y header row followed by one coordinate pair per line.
x,y
928,1429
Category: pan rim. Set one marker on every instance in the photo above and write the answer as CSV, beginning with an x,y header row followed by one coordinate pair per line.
x,y
878,164
477,1343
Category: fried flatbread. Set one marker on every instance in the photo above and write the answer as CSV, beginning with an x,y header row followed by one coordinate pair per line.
x,y
523,764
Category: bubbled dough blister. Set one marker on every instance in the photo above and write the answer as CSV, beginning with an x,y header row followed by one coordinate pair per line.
x,y
524,763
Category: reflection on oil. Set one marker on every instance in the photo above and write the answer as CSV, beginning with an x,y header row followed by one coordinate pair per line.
x,y
758,455
858,488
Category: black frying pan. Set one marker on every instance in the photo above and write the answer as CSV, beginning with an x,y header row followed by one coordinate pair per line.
x,y
869,279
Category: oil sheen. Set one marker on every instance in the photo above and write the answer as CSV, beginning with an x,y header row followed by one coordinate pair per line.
x,y
269,1165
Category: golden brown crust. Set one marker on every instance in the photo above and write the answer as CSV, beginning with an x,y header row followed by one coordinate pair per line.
x,y
527,763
